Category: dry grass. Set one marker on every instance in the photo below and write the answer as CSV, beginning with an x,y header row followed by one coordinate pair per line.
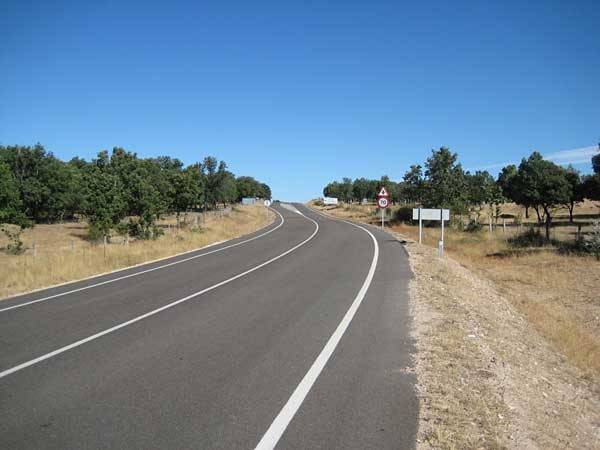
x,y
486,379
62,254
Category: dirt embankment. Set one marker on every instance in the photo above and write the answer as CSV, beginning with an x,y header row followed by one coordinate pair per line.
x,y
486,379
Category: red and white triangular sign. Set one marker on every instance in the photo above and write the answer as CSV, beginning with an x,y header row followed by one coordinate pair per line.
x,y
383,192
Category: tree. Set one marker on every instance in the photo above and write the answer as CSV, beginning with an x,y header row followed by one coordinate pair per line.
x,y
48,188
445,181
544,185
591,187
346,187
596,162
360,189
188,187
213,174
104,205
227,190
11,210
577,193
413,184
265,191
483,190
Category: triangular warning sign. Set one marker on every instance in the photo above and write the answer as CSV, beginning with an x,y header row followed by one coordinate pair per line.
x,y
383,192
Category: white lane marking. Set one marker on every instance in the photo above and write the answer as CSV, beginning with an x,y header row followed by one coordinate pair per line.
x,y
112,280
287,413
156,311
290,207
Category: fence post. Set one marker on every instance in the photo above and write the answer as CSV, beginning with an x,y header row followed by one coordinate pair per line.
x,y
72,246
104,246
504,226
34,249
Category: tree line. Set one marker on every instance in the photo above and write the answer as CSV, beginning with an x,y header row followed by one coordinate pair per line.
x,y
114,192
537,184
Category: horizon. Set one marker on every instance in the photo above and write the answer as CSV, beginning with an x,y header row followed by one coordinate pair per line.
x,y
298,97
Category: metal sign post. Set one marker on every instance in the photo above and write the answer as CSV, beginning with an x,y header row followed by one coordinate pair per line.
x,y
382,203
422,214
420,227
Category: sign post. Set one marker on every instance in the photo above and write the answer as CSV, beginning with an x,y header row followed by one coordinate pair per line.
x,y
382,203
422,214
267,203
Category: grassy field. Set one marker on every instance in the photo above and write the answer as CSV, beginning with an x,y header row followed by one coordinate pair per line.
x,y
60,253
557,293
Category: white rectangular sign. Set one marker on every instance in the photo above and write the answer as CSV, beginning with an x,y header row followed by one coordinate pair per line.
x,y
330,200
431,214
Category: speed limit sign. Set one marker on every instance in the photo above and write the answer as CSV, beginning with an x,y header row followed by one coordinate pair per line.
x,y
383,202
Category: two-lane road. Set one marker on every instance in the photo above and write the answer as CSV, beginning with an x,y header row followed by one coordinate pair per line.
x,y
296,336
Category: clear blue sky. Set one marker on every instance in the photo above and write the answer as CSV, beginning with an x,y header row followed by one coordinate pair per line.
x,y
298,94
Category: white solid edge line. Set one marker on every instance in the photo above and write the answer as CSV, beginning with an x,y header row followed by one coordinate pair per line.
x,y
112,280
287,413
155,311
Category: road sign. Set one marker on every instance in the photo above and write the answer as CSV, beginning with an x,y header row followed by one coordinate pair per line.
x,y
267,203
383,193
383,202
431,214
442,215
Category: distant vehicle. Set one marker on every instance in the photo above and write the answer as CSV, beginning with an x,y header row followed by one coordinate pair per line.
x,y
330,200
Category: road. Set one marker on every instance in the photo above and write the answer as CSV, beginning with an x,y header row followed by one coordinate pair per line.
x,y
295,337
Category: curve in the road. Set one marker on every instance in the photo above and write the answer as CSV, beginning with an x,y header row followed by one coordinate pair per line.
x,y
112,280
158,310
287,413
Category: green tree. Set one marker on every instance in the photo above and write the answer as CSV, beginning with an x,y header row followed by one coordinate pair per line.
x,y
265,191
596,162
543,185
414,183
483,191
105,205
577,193
346,189
227,191
333,189
445,181
188,190
360,189
12,218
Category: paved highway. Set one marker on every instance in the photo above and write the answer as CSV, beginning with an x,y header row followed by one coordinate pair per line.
x,y
295,337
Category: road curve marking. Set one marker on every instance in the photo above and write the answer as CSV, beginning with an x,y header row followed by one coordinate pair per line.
x,y
287,413
156,311
142,271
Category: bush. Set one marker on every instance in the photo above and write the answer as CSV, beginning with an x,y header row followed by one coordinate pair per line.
x,y
473,226
404,213
15,245
530,238
95,232
582,246
592,245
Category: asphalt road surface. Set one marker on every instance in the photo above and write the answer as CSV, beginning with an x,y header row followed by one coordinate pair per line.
x,y
295,337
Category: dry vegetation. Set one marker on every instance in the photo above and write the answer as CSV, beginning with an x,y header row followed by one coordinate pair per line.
x,y
509,341
63,254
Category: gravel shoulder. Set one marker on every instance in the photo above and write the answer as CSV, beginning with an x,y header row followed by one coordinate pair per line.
x,y
486,379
